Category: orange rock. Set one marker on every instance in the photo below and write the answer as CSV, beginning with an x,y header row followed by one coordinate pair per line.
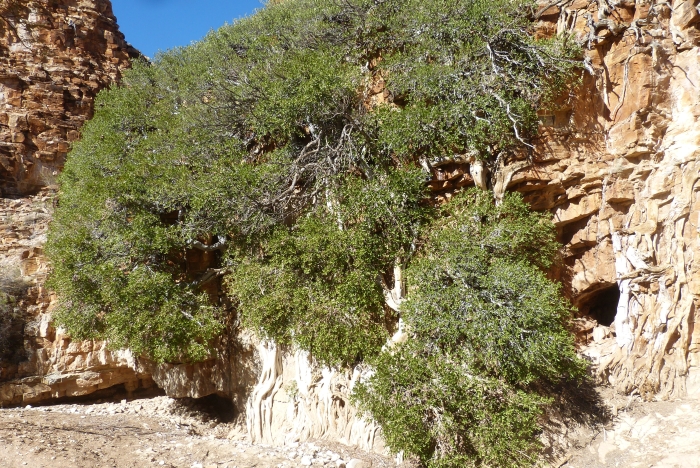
x,y
44,81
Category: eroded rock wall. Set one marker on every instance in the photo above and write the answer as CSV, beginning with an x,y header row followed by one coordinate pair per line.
x,y
618,167
55,55
295,400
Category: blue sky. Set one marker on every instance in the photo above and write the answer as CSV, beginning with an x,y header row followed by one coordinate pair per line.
x,y
152,25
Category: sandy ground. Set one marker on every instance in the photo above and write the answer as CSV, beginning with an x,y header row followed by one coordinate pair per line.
x,y
154,432
160,431
663,434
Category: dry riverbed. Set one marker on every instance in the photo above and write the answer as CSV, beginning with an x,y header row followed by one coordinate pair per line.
x,y
153,432
659,434
163,432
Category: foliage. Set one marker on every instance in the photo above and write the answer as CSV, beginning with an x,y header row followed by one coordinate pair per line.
x,y
430,406
256,173
315,283
119,262
467,75
255,134
484,324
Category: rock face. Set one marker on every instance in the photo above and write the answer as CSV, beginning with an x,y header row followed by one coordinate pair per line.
x,y
293,400
617,166
55,55
50,365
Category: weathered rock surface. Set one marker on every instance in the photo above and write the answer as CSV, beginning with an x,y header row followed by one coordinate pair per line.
x,y
294,400
55,55
52,365
662,434
618,167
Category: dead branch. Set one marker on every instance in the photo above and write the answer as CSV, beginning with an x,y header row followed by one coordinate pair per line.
x,y
221,245
512,118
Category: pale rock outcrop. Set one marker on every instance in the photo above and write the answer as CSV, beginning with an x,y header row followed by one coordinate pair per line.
x,y
295,400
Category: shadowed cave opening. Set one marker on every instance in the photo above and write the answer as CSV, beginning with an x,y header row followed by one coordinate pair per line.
x,y
601,305
212,407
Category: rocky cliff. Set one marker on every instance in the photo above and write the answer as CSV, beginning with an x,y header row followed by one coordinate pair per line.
x,y
55,55
618,167
616,164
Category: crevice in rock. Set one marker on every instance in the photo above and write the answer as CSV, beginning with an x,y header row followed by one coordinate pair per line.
x,y
113,393
568,231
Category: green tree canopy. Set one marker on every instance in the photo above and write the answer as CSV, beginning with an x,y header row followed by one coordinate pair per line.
x,y
484,323
276,172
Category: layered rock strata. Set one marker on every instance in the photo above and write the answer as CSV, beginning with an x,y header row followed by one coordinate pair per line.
x,y
49,365
55,55
618,167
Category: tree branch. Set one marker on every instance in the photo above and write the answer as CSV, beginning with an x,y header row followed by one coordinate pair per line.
x,y
221,245
208,276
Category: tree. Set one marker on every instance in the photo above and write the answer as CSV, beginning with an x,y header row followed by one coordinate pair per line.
x,y
256,174
264,123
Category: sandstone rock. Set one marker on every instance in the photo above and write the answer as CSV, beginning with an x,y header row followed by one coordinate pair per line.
x,y
685,13
47,85
50,75
643,146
